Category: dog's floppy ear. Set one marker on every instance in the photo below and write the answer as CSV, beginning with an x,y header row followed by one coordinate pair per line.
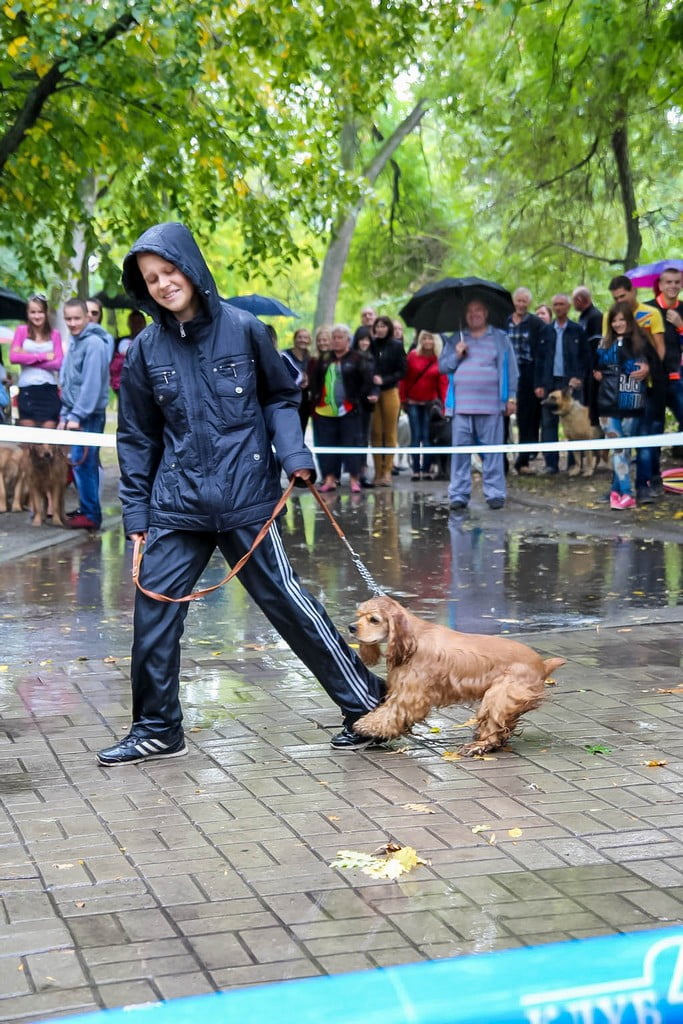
x,y
402,642
369,654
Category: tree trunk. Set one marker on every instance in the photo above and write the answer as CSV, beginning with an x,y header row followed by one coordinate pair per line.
x,y
619,143
340,243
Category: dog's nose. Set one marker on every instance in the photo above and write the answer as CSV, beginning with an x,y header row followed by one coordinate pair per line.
x,y
353,628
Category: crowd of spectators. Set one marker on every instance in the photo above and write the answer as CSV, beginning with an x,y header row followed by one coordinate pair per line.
x,y
357,386
65,384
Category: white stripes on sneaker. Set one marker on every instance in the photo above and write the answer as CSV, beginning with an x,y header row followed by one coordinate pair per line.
x,y
151,746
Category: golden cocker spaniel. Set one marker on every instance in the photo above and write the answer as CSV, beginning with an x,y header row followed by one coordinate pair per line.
x,y
433,666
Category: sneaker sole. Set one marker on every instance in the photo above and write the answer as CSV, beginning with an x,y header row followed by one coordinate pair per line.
x,y
370,742
144,757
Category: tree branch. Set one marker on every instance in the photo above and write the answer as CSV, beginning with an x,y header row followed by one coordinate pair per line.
x,y
48,85
580,252
575,167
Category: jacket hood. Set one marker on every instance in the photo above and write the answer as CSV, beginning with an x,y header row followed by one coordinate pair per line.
x,y
175,243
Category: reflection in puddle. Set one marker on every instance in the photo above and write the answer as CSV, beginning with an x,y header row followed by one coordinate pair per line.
x,y
483,573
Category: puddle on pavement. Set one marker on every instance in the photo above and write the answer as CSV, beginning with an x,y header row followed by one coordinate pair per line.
x,y
487,573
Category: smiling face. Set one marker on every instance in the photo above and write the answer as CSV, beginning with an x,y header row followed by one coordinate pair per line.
x,y
323,340
302,339
619,324
76,319
36,315
168,286
476,315
670,284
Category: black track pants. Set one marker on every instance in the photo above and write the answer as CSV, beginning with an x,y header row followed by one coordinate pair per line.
x,y
173,562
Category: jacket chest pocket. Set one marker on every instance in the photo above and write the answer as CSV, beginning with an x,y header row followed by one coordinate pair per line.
x,y
165,386
234,379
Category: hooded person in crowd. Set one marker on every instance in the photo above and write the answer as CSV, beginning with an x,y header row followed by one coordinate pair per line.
x,y
208,419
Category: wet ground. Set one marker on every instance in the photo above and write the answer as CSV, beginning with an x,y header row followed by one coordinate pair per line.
x,y
525,568
214,871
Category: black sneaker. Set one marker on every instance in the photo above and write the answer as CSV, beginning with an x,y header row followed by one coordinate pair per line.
x,y
133,748
644,496
656,487
458,506
495,503
347,739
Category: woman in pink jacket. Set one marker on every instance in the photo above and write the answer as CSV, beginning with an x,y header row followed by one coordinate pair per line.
x,y
421,387
37,348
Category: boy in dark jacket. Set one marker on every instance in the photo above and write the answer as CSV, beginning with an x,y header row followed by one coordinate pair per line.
x,y
204,399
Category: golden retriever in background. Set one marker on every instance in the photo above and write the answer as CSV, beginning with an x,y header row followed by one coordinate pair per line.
x,y
576,426
12,477
433,666
47,474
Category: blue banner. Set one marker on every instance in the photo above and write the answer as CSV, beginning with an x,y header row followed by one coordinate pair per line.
x,y
621,979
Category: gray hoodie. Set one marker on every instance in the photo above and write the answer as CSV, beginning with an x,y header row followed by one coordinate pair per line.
x,y
84,377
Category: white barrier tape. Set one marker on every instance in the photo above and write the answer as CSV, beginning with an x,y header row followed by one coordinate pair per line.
x,y
598,444
37,435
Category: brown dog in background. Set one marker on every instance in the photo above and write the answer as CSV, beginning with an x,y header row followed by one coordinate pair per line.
x,y
433,666
47,474
12,477
576,426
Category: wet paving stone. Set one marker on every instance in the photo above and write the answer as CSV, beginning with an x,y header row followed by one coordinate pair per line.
x,y
170,879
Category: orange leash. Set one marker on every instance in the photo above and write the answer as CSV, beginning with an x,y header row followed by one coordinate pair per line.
x,y
137,558
362,569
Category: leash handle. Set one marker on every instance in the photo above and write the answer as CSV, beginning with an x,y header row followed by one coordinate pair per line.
x,y
197,594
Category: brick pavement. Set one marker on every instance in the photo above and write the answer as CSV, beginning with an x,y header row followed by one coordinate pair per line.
x,y
127,885
212,872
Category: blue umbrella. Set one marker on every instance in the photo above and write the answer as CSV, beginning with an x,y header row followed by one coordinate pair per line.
x,y
261,305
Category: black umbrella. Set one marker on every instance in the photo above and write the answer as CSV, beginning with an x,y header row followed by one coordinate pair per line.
x,y
261,305
441,306
12,307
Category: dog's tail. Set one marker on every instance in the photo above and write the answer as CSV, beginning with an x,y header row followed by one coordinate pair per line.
x,y
550,664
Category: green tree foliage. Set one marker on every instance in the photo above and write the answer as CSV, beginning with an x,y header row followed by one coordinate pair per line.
x,y
200,111
574,137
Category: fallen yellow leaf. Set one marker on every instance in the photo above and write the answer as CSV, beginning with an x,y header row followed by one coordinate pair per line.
x,y
419,808
481,828
655,764
451,755
514,833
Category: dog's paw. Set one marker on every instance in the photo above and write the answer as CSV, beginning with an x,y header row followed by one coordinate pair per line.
x,y
476,749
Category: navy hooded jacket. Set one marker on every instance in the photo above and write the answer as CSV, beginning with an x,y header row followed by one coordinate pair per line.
x,y
202,405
